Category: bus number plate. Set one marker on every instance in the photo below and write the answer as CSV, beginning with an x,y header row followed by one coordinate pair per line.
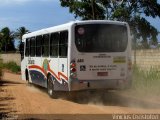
x,y
102,73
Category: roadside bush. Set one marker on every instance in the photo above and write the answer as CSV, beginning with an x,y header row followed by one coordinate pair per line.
x,y
12,66
1,64
0,73
146,82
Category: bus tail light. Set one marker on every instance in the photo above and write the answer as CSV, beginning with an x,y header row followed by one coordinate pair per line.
x,y
73,69
73,65
129,64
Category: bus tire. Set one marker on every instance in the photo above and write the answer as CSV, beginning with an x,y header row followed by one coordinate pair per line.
x,y
50,87
27,78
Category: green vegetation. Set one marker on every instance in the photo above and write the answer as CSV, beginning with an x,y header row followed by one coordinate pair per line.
x,y
12,66
146,82
7,37
131,11
0,70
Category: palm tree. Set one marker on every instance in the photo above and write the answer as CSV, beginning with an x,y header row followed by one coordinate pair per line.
x,y
20,32
7,37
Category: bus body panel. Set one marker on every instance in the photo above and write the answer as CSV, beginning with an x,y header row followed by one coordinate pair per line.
x,y
101,66
58,69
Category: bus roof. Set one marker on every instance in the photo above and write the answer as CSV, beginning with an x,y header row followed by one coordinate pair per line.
x,y
67,25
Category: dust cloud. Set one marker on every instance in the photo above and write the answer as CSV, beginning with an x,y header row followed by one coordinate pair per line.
x,y
125,98
121,98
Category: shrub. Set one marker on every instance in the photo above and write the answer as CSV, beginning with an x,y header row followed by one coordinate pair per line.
x,y
146,81
12,66
1,65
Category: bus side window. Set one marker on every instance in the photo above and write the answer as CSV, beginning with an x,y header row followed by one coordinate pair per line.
x,y
45,45
54,39
38,45
32,47
27,49
21,49
63,44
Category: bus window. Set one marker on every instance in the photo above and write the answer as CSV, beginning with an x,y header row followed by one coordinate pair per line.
x,y
38,45
101,38
54,44
32,47
21,49
63,44
45,45
27,49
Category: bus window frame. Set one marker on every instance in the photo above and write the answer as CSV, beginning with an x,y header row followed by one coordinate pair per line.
x,y
65,44
40,54
32,39
43,45
56,45
27,47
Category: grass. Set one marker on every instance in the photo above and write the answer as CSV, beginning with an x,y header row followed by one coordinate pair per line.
x,y
12,66
146,82
0,69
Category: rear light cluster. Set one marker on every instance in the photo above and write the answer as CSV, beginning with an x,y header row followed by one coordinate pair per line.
x,y
129,64
73,70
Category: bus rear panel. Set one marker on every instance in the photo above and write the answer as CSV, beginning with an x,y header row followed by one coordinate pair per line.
x,y
101,57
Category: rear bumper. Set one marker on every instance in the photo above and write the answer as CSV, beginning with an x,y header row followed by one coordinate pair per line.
x,y
76,85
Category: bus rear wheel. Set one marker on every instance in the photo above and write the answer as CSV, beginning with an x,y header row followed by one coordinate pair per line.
x,y
50,87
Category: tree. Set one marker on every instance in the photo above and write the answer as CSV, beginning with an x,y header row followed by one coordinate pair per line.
x,y
20,32
1,36
7,39
131,11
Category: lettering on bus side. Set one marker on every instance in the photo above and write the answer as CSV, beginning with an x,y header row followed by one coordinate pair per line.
x,y
30,61
80,60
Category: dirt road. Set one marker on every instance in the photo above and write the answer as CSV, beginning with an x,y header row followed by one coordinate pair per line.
x,y
16,97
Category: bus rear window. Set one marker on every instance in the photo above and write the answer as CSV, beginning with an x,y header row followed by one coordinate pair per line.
x,y
101,38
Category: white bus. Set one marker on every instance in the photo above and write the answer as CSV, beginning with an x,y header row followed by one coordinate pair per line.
x,y
79,55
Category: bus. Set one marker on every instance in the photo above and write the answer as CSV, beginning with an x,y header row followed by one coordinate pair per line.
x,y
77,56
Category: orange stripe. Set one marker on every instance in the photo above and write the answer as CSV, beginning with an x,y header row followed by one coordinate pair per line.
x,y
59,74
40,68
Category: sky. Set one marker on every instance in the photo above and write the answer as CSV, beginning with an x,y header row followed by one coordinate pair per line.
x,y
33,14
39,14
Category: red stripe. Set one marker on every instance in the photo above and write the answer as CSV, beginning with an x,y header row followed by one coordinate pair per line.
x,y
57,77
59,74
38,67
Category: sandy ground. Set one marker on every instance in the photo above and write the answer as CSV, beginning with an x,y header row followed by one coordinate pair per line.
x,y
18,99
